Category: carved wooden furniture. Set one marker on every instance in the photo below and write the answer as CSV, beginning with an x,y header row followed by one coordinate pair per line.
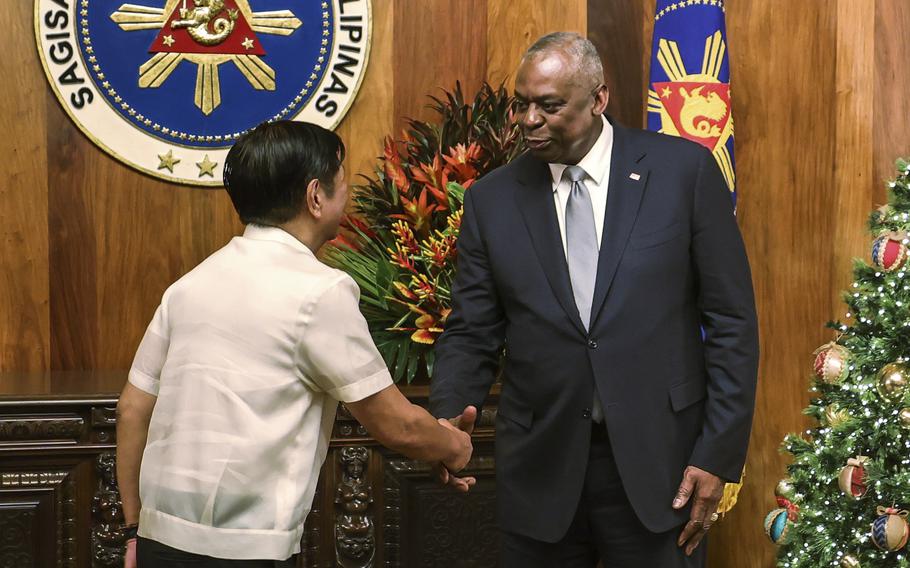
x,y
59,505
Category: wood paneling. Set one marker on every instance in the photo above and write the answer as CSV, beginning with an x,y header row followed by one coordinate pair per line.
x,y
783,105
371,117
619,38
436,42
513,26
892,80
24,326
72,259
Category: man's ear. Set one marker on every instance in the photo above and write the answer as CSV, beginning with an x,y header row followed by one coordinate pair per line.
x,y
314,198
601,99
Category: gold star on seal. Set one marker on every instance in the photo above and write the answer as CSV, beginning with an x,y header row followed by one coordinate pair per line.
x,y
247,43
206,167
665,92
168,161
168,40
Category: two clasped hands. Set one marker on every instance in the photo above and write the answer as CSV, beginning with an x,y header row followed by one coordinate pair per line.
x,y
706,488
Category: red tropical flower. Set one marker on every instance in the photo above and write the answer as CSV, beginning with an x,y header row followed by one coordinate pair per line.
x,y
434,177
392,166
462,161
439,249
401,258
454,220
428,329
405,237
341,240
417,212
351,223
405,291
422,286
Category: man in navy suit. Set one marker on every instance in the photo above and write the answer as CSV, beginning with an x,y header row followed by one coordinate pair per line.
x,y
608,265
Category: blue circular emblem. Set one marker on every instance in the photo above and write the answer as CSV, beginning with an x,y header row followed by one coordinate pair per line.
x,y
168,85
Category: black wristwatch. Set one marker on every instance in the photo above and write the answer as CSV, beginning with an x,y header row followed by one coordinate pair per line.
x,y
129,531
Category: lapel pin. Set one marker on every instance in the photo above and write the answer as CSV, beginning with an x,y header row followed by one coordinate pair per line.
x,y
635,176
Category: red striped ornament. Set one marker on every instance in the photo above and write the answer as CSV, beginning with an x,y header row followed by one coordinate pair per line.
x,y
889,251
852,480
830,363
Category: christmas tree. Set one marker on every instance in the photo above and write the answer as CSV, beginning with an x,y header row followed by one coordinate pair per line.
x,y
845,500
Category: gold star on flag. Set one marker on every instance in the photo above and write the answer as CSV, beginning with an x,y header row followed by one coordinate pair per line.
x,y
168,40
665,92
206,167
247,43
168,161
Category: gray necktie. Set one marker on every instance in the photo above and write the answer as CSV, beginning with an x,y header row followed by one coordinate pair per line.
x,y
582,252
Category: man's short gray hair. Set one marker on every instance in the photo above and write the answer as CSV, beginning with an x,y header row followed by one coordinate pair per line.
x,y
586,60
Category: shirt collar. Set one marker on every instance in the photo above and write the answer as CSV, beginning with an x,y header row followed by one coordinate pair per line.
x,y
263,233
596,162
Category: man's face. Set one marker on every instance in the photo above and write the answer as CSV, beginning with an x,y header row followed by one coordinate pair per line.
x,y
559,116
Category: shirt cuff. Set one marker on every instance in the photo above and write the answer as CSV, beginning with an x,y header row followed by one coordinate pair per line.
x,y
143,382
363,388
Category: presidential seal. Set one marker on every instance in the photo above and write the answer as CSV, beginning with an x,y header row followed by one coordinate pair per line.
x,y
167,86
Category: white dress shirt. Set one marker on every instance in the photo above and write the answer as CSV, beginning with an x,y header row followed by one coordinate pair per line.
x,y
248,355
596,164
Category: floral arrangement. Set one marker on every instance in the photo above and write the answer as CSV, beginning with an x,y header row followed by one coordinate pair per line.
x,y
399,239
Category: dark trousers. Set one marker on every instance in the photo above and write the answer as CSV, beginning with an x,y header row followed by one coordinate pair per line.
x,y
153,554
605,528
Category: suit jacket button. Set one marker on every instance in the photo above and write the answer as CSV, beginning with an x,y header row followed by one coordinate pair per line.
x,y
586,414
592,344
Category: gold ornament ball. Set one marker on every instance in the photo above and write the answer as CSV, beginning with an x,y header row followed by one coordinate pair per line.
x,y
892,381
905,417
785,489
849,561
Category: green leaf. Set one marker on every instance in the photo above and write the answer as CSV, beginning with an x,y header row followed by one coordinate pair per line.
x,y
456,195
430,358
384,277
401,362
413,359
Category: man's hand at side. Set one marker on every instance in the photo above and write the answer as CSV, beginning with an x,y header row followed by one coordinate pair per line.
x,y
707,489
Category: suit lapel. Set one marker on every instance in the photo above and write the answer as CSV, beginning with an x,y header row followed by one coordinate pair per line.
x,y
623,199
534,199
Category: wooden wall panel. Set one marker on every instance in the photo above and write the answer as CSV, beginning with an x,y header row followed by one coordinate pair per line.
x,y
619,34
783,78
513,26
891,123
72,261
148,234
24,326
436,42
371,117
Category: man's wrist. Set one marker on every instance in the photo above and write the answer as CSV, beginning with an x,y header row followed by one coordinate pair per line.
x,y
130,531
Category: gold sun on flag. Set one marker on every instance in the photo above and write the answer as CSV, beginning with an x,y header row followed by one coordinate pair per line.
x,y
196,19
696,106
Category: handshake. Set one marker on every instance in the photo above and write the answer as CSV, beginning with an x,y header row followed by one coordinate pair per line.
x,y
409,429
460,429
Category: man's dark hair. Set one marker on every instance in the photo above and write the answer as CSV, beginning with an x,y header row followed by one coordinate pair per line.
x,y
267,171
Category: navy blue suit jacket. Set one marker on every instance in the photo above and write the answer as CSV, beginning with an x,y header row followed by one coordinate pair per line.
x,y
671,263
